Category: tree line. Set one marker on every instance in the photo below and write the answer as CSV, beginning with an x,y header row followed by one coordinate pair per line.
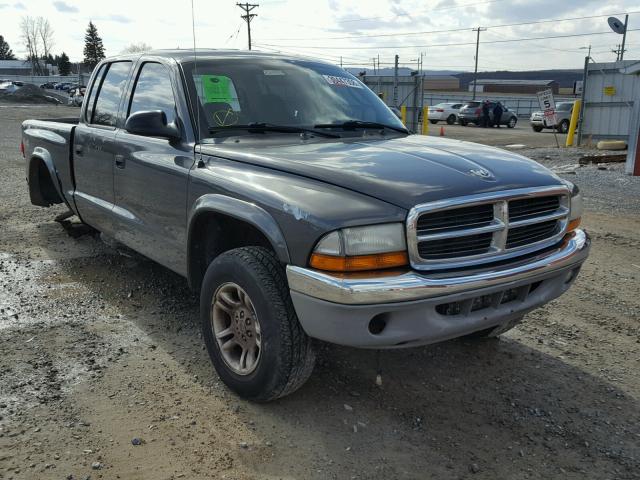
x,y
37,38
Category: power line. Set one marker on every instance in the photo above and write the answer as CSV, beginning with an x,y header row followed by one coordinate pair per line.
x,y
248,16
429,32
433,45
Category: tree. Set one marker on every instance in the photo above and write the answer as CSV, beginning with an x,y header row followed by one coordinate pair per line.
x,y
64,65
137,48
45,32
5,51
93,48
37,37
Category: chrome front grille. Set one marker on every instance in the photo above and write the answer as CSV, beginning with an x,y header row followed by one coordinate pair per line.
x,y
477,229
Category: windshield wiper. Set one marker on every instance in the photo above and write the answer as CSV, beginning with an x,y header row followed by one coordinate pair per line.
x,y
353,124
271,127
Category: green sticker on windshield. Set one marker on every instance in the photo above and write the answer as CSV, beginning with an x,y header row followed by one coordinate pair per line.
x,y
216,89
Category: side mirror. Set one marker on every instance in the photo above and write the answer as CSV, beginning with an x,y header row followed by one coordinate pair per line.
x,y
151,123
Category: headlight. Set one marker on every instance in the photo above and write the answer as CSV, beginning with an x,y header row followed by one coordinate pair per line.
x,y
575,215
353,249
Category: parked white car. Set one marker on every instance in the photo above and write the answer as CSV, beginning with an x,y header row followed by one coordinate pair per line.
x,y
8,87
445,112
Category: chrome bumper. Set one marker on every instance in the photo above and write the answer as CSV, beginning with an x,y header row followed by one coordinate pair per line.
x,y
408,286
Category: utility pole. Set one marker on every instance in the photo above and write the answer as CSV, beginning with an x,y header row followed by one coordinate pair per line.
x,y
395,82
248,16
617,52
374,66
624,36
475,72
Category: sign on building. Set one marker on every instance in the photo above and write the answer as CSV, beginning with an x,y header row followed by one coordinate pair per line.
x,y
548,107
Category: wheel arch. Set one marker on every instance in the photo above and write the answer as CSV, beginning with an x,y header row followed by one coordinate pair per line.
x,y
245,224
44,187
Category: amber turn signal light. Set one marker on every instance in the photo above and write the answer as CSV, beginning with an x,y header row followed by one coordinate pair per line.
x,y
573,224
360,262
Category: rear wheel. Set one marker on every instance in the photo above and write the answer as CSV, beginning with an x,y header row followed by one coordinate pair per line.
x,y
512,122
433,121
250,327
451,119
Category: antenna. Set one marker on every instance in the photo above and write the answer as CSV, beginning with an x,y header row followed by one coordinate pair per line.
x,y
195,70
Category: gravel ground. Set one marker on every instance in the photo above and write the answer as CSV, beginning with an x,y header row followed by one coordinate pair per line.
x,y
103,374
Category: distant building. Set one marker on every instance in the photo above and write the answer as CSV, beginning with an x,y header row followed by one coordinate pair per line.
x,y
447,83
514,86
22,67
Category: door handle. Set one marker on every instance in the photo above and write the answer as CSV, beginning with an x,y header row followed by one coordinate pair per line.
x,y
78,150
120,162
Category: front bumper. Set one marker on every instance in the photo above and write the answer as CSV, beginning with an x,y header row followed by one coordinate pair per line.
x,y
415,308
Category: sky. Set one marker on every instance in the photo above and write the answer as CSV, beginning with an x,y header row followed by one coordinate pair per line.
x,y
348,31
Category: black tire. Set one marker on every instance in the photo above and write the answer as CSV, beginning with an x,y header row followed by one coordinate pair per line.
x,y
433,121
287,357
563,127
512,122
451,119
536,128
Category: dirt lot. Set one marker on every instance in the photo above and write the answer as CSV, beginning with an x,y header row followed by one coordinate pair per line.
x,y
521,134
100,351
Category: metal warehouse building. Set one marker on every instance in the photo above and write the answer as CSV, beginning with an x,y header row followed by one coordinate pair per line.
x,y
611,106
514,86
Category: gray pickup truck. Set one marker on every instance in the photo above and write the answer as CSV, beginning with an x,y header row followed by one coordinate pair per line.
x,y
299,207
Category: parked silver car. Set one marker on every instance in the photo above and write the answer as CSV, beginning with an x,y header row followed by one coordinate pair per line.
x,y
563,115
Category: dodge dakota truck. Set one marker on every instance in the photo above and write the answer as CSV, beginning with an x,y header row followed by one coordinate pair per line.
x,y
300,209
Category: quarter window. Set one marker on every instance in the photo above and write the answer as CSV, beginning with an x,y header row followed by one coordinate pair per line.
x,y
153,91
106,111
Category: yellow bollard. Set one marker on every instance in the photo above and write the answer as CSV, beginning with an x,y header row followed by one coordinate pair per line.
x,y
575,114
403,114
425,120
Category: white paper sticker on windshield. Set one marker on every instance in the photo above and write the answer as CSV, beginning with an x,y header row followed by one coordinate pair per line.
x,y
342,81
272,72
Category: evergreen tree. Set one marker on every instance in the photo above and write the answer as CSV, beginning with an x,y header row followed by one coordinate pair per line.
x,y
64,65
93,48
5,51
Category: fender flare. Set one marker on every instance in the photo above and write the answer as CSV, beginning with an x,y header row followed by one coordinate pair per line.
x,y
42,155
250,213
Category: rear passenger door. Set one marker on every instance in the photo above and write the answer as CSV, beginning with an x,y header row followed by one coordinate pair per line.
x,y
94,146
151,174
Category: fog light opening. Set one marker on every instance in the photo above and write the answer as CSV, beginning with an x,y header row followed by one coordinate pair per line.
x,y
378,324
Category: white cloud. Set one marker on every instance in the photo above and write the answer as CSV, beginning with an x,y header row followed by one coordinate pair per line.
x,y
309,28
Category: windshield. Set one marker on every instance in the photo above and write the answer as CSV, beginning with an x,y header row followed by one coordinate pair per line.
x,y
287,92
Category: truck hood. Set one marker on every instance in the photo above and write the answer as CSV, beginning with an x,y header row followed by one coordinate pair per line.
x,y
404,171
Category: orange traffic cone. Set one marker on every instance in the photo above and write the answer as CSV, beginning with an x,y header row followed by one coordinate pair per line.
x,y
441,131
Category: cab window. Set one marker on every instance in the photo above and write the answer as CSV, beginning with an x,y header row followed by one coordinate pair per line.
x,y
153,91
91,100
106,109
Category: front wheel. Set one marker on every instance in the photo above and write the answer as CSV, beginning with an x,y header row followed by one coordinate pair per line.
x,y
512,122
250,327
433,122
563,127
536,128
